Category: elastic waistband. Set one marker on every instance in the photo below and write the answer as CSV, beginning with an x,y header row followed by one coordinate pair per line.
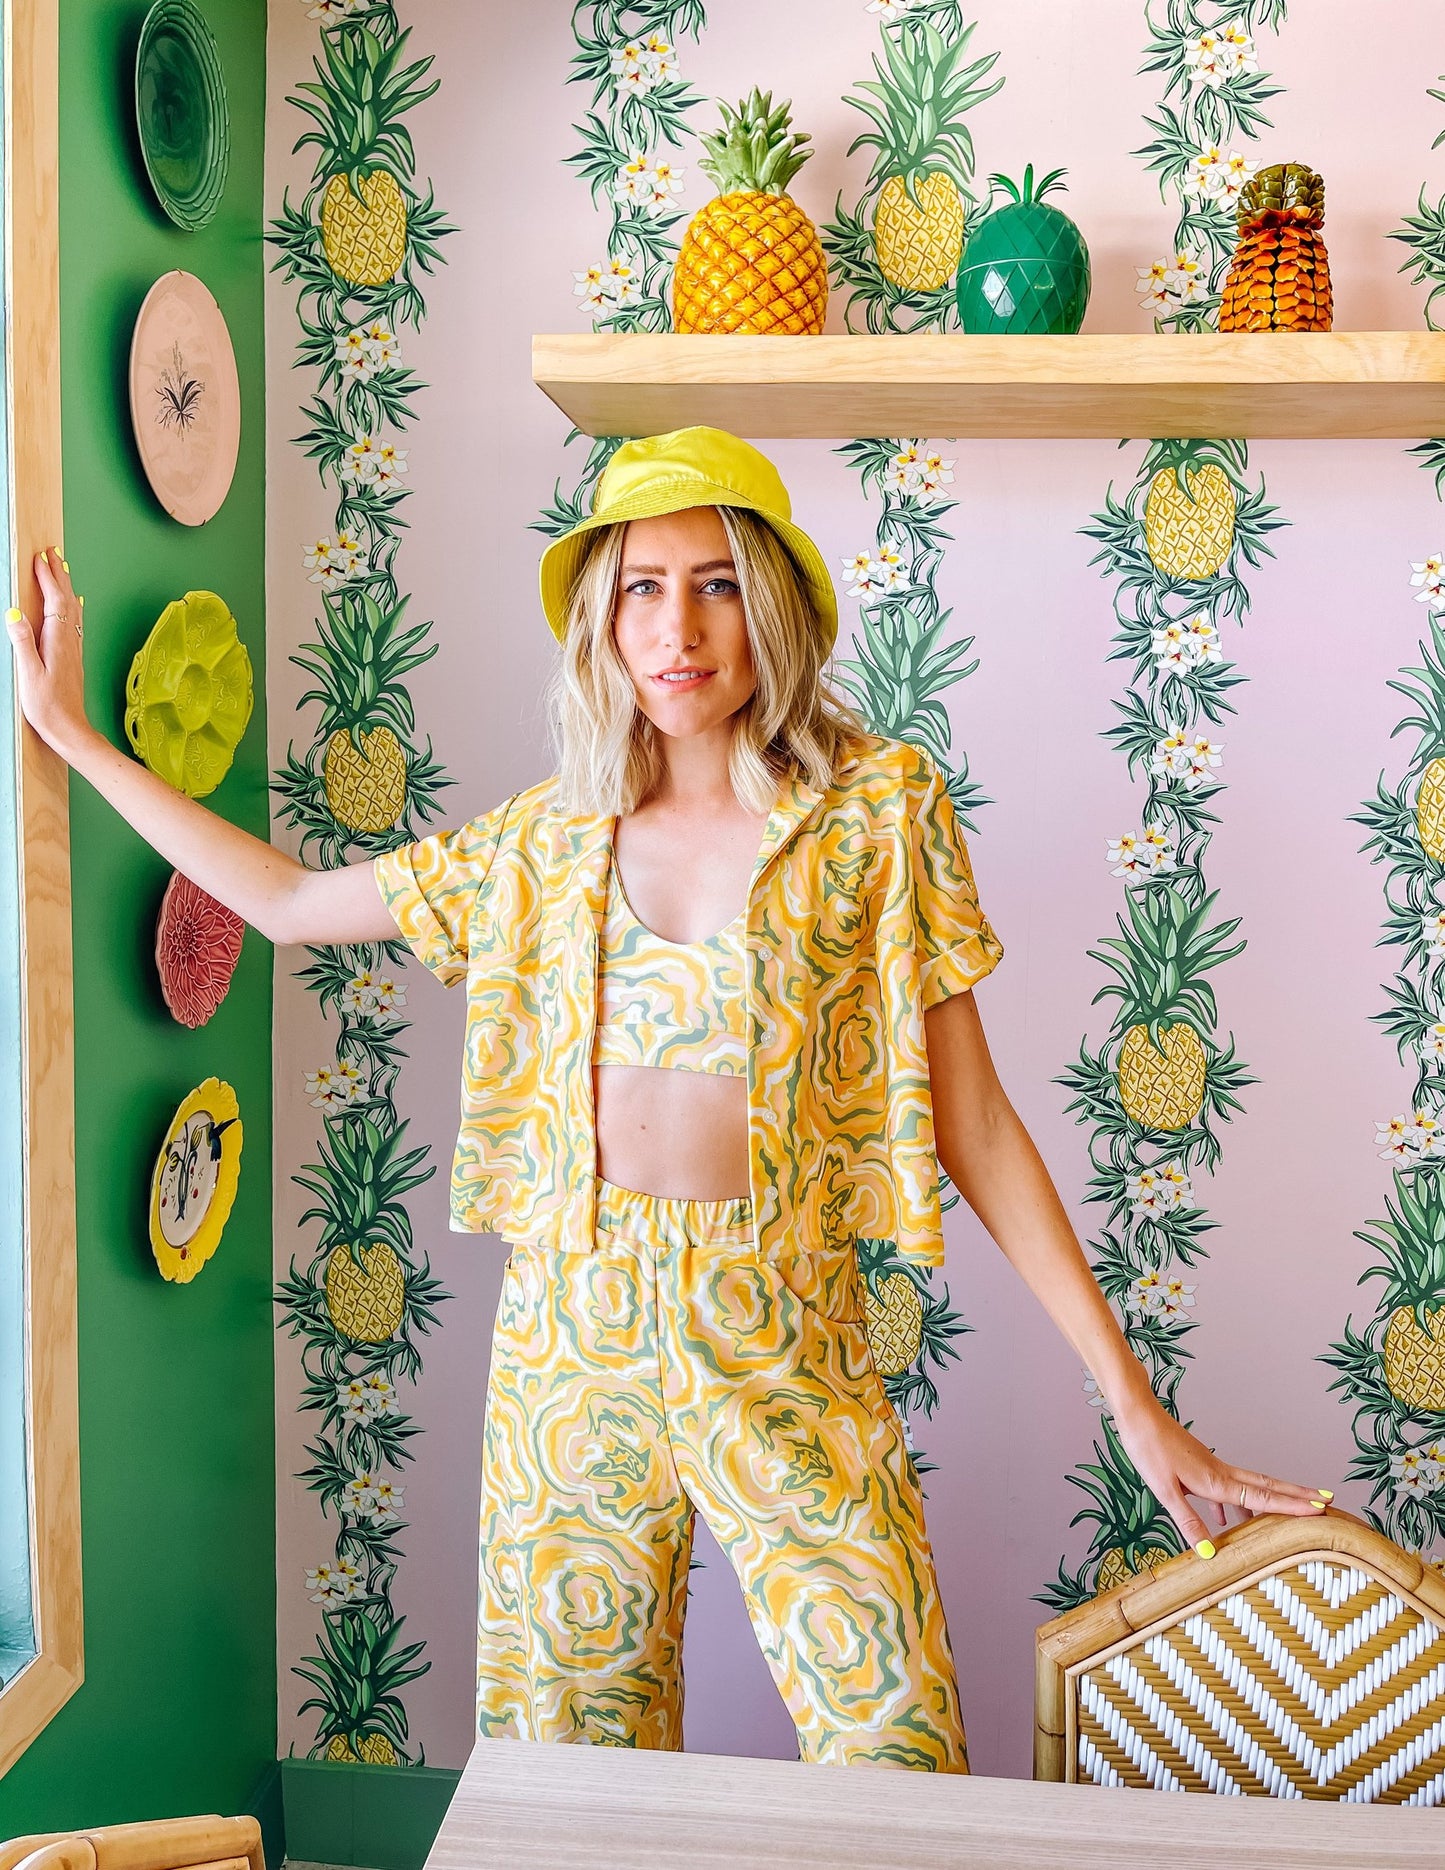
x,y
703,1223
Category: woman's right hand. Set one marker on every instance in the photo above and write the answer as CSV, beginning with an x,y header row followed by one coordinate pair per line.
x,y
48,670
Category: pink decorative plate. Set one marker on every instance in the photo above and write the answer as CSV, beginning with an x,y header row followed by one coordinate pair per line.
x,y
198,943
185,398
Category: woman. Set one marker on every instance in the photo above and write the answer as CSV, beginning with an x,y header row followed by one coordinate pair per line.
x,y
719,1027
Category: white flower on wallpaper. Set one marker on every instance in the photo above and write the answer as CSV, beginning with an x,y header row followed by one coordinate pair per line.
x,y
1093,1395
1432,1047
1160,1295
369,462
606,289
889,12
330,10
875,573
1189,759
648,182
333,1087
1215,57
1429,581
1169,284
367,1398
1183,644
1432,931
371,1496
1407,1140
333,562
919,476
641,65
373,996
366,351
1213,176
1139,855
1160,1190
1418,1470
334,1584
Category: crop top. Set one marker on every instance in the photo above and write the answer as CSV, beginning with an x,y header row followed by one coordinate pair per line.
x,y
679,1005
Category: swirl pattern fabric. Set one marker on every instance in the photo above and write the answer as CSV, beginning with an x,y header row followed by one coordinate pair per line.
x,y
862,913
677,1006
675,1370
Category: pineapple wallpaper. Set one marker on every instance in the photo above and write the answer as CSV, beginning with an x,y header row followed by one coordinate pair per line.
x,y
1162,678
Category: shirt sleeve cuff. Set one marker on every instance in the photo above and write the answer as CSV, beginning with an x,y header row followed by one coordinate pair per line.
x,y
959,967
423,931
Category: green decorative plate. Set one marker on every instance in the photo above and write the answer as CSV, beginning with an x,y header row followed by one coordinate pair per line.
x,y
180,110
188,695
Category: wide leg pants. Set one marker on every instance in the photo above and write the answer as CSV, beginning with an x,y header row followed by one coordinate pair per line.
x,y
668,1372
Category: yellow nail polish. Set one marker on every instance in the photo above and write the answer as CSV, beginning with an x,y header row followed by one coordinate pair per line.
x,y
1205,1548
1318,1503
1324,1493
82,600
12,615
65,564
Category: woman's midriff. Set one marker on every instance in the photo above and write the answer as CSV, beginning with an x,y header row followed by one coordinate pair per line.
x,y
680,1134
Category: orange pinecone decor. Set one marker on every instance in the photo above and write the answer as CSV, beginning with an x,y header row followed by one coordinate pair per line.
x,y
1279,278
751,259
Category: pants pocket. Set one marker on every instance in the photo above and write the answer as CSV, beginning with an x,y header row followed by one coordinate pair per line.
x,y
824,1280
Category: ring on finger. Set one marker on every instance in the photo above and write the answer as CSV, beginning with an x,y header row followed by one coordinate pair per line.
x,y
1242,1486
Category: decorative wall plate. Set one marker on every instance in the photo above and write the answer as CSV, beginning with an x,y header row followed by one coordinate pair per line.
x,y
198,943
189,694
180,112
185,397
194,1181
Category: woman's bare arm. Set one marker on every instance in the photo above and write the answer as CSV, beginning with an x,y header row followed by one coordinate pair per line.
x,y
992,1161
270,889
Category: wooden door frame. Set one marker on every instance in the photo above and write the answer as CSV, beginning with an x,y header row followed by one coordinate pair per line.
x,y
32,296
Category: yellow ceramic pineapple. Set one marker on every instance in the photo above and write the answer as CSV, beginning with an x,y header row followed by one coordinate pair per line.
x,y
751,259
365,153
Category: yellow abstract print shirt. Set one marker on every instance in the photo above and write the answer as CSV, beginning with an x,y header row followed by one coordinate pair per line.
x,y
861,914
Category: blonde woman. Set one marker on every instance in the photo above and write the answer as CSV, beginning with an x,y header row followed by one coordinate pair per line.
x,y
720,1026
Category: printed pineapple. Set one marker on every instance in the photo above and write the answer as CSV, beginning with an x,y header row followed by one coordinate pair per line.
x,y
924,152
1190,507
893,1302
751,259
359,660
1164,1001
1412,1245
357,1674
365,152
359,1182
1135,1532
1279,278
1428,692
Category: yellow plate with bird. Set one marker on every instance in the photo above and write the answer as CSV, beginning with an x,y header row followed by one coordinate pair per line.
x,y
193,1185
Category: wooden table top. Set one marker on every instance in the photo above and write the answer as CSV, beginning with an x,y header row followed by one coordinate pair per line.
x,y
524,1806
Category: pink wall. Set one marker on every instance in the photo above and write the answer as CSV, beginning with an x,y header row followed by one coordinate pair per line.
x,y
1331,622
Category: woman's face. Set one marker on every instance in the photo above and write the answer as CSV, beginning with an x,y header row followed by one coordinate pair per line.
x,y
679,623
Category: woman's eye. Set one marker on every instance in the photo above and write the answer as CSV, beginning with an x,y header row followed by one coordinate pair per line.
x,y
726,583
639,584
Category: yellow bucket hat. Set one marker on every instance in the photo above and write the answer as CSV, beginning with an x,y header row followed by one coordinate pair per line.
x,y
658,474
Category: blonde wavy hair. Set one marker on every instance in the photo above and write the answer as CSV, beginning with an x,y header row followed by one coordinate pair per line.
x,y
609,755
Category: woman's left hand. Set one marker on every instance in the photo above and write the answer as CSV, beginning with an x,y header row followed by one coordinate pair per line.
x,y
1172,1463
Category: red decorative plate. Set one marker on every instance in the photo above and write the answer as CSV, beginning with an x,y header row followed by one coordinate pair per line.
x,y
198,943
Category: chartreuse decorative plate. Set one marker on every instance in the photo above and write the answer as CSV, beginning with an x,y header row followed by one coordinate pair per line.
x,y
180,112
189,694
194,1182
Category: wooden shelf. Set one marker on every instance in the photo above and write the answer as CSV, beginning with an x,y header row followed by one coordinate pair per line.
x,y
1301,385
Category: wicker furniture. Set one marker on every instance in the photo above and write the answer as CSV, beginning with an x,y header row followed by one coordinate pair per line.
x,y
1305,1661
207,1843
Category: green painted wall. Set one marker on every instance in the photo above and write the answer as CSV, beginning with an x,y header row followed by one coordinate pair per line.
x,y
177,1711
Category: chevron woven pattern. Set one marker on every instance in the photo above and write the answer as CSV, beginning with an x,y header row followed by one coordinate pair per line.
x,y
1316,1682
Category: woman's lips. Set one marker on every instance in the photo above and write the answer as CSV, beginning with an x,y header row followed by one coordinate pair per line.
x,y
676,679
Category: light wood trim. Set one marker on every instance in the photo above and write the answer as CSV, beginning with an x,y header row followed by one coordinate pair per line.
x,y
1288,384
1086,1638
527,1805
66,1852
33,299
